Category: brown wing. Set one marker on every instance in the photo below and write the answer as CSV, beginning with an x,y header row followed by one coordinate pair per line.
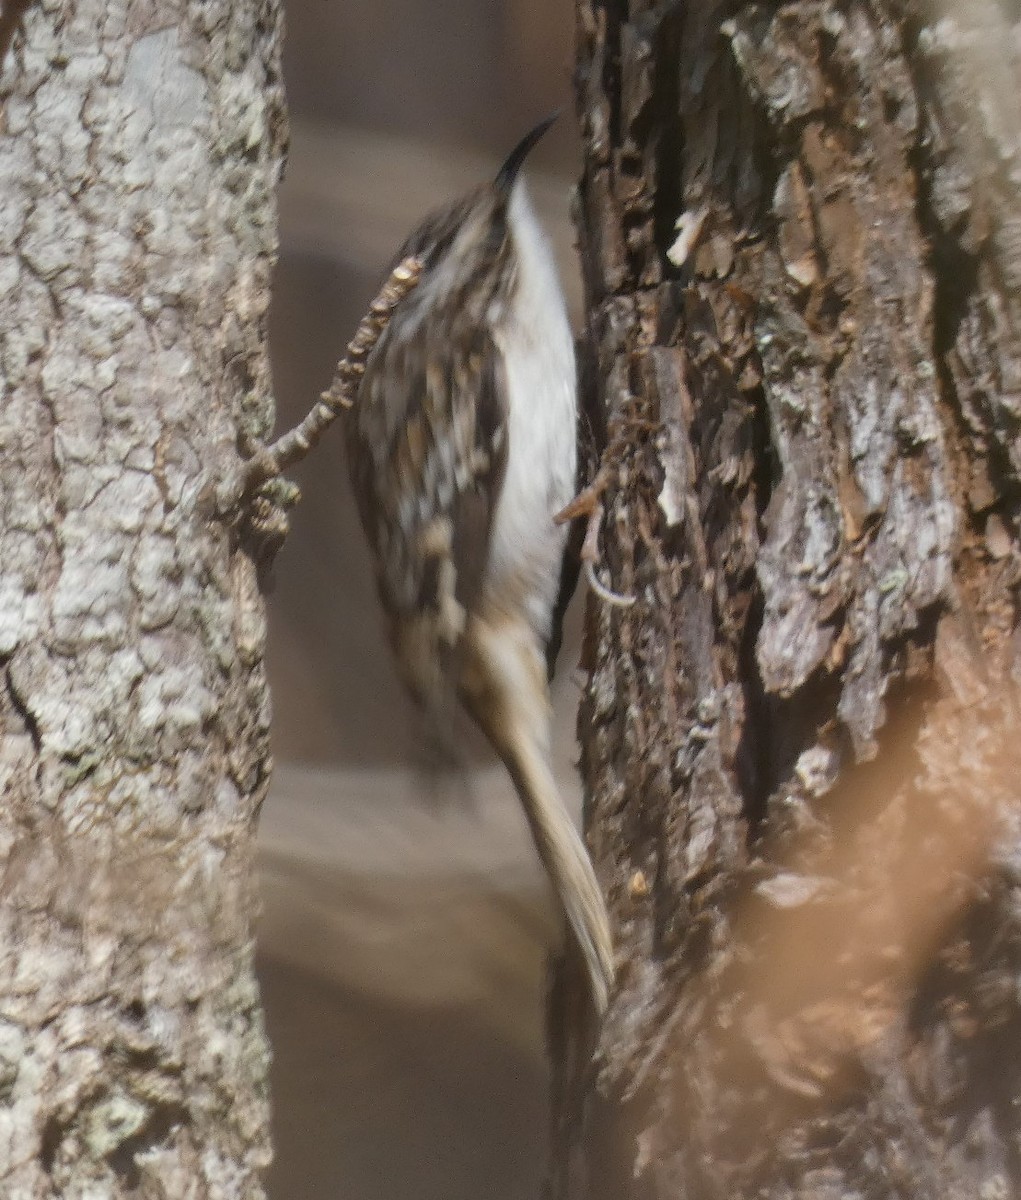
x,y
427,448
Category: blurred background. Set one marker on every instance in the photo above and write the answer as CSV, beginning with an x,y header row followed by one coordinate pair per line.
x,y
405,926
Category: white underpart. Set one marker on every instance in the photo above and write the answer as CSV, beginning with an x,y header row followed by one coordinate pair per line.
x,y
538,350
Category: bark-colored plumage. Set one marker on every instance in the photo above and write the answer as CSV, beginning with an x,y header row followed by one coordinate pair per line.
x,y
462,448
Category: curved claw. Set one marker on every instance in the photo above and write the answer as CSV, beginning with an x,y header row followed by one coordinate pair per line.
x,y
617,599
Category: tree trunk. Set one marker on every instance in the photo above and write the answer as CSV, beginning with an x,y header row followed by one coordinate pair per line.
x,y
140,146
802,250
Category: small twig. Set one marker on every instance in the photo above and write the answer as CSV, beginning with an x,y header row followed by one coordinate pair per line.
x,y
589,503
586,500
269,461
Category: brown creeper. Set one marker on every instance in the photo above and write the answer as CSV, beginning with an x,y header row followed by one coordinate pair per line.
x,y
462,446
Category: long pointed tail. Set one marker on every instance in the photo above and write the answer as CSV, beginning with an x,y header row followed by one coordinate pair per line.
x,y
569,867
503,684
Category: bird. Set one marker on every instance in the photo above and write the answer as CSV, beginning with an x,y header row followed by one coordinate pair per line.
x,y
462,448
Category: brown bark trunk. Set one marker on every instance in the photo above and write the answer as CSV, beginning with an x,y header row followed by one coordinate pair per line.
x,y
140,146
801,745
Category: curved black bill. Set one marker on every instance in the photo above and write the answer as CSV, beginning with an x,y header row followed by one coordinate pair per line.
x,y
509,171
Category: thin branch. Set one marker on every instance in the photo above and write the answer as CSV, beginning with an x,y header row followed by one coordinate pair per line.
x,y
269,461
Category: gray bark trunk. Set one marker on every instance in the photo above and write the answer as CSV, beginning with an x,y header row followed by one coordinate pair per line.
x,y
801,745
140,146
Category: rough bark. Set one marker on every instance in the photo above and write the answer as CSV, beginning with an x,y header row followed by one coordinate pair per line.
x,y
140,146
800,235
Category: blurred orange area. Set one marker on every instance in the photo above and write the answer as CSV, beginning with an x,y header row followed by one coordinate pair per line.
x,y
881,906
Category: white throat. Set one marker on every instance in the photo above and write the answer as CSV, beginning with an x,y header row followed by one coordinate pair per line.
x,y
538,349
